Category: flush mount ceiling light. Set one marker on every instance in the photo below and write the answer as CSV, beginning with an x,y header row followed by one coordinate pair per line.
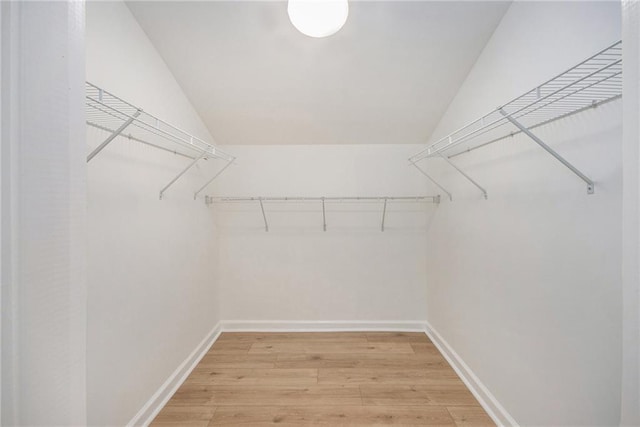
x,y
318,18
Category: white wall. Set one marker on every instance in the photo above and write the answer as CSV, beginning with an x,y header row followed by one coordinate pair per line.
x,y
43,214
297,272
631,219
526,286
152,274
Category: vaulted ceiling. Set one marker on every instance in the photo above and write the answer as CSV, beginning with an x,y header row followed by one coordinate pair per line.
x,y
386,77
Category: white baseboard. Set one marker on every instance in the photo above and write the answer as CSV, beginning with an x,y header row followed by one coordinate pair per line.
x,y
175,380
488,401
321,326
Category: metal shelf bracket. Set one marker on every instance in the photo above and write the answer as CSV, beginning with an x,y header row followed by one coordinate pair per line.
x,y
430,178
526,131
324,217
471,180
264,216
195,195
113,135
384,213
192,164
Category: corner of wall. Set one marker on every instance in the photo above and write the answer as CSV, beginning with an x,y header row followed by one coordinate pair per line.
x,y
487,400
156,402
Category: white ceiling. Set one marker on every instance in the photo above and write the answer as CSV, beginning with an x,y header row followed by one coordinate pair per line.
x,y
386,77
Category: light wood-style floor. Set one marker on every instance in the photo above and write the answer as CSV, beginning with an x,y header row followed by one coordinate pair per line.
x,y
335,379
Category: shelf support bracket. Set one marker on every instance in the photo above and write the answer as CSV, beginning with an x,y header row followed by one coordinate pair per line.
x,y
195,195
192,164
264,216
484,192
324,217
526,131
384,213
111,137
422,171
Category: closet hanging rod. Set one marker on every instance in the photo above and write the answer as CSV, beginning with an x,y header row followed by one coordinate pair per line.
x,y
384,199
432,199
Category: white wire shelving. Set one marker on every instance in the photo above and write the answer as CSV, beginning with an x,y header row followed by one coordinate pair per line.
x,y
323,201
593,82
112,114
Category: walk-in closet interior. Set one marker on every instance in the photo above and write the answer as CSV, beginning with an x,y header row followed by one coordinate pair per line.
x,y
332,212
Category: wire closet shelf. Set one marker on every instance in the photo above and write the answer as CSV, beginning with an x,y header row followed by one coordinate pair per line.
x,y
322,201
118,117
593,82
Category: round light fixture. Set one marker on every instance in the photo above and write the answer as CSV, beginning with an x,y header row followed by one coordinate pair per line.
x,y
318,18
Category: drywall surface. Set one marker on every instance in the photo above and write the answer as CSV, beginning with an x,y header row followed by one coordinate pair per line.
x,y
526,286
380,79
298,272
43,214
152,285
630,414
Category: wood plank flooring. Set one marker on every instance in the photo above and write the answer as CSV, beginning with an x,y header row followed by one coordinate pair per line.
x,y
334,379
